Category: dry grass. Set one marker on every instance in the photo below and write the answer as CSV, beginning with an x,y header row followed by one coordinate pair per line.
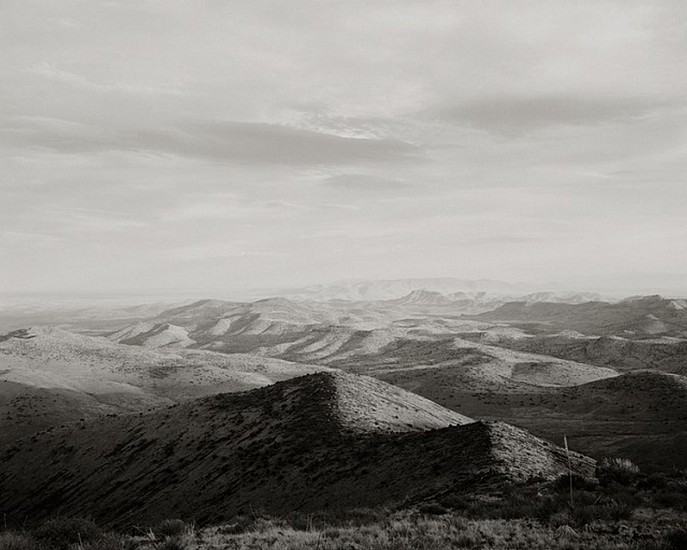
x,y
417,531
530,516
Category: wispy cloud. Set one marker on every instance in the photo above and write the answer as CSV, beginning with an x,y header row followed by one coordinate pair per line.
x,y
514,115
215,250
223,142
79,81
365,183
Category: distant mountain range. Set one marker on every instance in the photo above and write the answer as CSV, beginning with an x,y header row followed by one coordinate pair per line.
x,y
373,290
479,302
644,315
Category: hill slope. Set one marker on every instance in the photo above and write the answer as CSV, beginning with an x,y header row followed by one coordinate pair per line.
x,y
51,376
305,444
641,415
665,354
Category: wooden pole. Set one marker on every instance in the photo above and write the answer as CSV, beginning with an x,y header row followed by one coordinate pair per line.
x,y
567,452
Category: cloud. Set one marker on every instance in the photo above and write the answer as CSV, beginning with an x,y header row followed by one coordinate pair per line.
x,y
81,220
207,251
223,142
514,115
78,81
212,208
361,182
441,135
24,238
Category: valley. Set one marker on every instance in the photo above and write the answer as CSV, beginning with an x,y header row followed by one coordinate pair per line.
x,y
305,405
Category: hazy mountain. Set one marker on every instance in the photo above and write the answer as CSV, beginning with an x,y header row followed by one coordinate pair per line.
x,y
436,303
422,298
78,313
563,297
644,315
313,443
373,290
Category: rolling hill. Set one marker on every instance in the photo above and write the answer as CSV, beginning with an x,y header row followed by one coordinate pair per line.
x,y
318,442
666,354
645,315
641,415
341,338
49,376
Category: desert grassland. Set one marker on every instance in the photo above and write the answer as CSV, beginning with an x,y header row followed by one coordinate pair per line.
x,y
421,531
621,509
406,530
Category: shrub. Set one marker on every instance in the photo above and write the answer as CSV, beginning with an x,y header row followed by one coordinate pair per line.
x,y
677,539
173,543
619,511
60,533
456,501
560,519
649,545
676,500
433,509
17,541
356,517
171,528
656,481
580,483
466,540
548,507
618,470
584,515
111,541
241,524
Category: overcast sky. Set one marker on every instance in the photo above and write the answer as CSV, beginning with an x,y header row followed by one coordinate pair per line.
x,y
178,144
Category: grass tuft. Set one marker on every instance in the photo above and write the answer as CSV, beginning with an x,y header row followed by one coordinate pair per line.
x,y
616,470
172,528
18,541
60,533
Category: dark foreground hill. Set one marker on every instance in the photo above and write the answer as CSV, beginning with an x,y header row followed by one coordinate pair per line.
x,y
323,441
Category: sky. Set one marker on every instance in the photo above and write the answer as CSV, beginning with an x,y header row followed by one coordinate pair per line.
x,y
217,144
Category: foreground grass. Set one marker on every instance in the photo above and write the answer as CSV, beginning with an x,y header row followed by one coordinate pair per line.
x,y
619,509
420,532
400,531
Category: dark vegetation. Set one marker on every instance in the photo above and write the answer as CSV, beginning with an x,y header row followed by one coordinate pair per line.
x,y
620,508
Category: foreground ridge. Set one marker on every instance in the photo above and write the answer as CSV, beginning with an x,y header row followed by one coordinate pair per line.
x,y
309,443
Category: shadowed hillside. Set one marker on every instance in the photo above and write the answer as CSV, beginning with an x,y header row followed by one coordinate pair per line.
x,y
316,442
50,376
640,415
